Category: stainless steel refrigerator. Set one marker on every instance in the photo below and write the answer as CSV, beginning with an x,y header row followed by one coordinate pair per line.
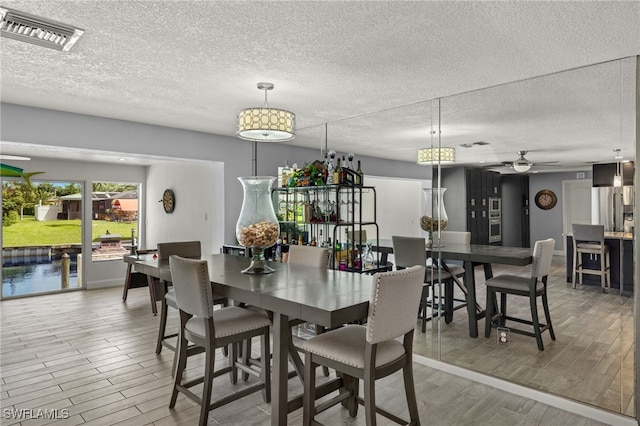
x,y
613,208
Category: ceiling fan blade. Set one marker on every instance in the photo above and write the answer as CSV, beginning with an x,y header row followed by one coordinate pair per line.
x,y
495,165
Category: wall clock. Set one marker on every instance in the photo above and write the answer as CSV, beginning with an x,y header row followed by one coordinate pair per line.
x,y
546,199
168,201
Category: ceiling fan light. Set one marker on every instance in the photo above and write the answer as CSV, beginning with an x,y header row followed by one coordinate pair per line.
x,y
521,166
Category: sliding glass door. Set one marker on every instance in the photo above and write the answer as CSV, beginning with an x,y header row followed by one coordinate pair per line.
x,y
41,236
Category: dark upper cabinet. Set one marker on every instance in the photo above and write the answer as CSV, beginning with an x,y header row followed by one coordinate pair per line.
x,y
495,189
480,185
603,173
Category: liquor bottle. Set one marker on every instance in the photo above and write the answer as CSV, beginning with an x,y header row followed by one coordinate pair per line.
x,y
360,175
299,239
284,178
337,175
355,257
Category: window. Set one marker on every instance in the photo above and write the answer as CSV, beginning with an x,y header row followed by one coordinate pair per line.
x,y
114,225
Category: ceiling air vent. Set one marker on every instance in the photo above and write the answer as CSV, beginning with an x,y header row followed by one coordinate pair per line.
x,y
32,29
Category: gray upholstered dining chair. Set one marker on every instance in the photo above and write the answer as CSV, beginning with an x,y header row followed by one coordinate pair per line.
x,y
188,249
313,257
532,287
308,256
202,328
370,352
409,251
589,239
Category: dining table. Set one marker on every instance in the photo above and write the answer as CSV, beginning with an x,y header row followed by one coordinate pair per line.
x,y
325,297
471,255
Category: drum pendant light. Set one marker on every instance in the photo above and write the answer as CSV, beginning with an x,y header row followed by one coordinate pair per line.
x,y
265,124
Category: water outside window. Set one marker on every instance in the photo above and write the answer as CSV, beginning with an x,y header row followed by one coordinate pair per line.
x,y
42,232
41,236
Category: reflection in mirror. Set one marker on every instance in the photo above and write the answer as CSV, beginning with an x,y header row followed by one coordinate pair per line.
x,y
564,121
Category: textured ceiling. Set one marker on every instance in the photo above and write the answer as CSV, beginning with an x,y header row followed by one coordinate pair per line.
x,y
366,68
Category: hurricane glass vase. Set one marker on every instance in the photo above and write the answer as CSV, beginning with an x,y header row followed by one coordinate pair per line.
x,y
434,219
257,226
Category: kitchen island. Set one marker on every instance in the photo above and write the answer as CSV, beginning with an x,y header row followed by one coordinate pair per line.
x,y
621,253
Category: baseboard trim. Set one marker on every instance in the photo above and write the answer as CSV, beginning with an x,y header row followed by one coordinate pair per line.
x,y
565,404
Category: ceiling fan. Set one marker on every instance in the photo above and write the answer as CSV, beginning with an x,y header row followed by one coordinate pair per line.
x,y
522,165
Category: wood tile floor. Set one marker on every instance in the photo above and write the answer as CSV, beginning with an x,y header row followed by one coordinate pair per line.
x,y
91,357
591,360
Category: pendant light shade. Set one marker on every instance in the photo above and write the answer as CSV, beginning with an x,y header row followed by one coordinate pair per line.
x,y
444,155
617,178
264,124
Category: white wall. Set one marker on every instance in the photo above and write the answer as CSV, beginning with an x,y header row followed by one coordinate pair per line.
x,y
399,205
199,212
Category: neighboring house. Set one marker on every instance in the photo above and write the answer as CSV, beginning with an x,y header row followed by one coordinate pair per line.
x,y
70,207
109,206
124,207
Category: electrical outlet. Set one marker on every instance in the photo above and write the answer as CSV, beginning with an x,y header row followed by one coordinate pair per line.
x,y
504,337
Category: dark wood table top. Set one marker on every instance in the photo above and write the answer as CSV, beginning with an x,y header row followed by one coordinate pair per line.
x,y
479,253
325,297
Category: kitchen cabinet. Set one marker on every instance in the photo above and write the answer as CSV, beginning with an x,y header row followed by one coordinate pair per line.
x,y
330,216
603,174
480,185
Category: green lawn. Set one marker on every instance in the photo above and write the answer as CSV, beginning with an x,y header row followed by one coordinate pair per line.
x,y
29,232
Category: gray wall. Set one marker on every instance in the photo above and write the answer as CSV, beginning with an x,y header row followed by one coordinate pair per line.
x,y
543,223
548,223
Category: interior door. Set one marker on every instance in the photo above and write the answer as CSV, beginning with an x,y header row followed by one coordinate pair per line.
x,y
576,205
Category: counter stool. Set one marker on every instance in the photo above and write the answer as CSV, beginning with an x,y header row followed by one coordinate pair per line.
x,y
409,251
187,249
204,329
589,239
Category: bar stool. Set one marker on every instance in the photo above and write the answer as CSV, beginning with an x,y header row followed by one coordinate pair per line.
x,y
589,239
186,249
409,251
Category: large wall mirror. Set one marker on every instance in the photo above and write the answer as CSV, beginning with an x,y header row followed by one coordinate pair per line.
x,y
592,110
589,110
